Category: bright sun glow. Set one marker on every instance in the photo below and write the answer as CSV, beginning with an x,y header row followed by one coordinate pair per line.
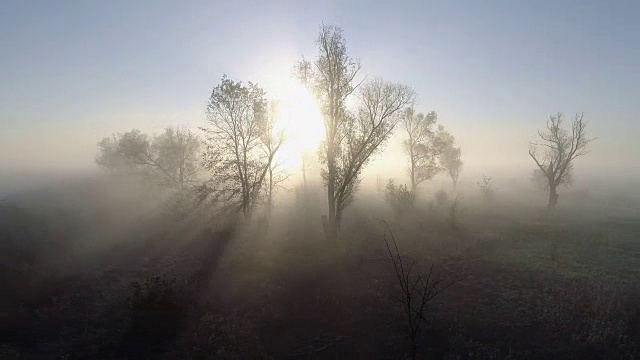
x,y
301,120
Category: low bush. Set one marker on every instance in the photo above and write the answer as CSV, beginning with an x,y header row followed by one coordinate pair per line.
x,y
399,197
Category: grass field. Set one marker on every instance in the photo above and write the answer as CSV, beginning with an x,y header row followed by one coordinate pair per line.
x,y
525,283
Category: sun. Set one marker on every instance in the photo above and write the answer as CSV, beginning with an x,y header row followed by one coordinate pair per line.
x,y
300,117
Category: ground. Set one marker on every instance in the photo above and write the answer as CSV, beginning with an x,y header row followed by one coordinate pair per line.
x,y
525,283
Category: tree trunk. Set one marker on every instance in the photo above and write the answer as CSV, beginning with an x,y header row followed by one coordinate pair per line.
x,y
244,203
248,211
413,170
338,217
553,196
270,195
331,229
304,173
331,226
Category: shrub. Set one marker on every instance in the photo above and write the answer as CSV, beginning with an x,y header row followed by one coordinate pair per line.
x,y
417,288
486,188
399,197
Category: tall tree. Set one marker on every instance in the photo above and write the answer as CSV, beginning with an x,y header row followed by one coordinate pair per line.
x,y
450,156
422,146
560,148
351,137
332,79
241,146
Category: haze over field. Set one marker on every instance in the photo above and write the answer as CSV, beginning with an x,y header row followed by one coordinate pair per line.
x,y
73,74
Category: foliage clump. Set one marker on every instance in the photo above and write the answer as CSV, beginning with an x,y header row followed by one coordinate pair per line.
x,y
400,197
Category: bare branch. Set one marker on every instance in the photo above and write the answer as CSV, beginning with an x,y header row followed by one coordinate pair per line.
x,y
562,148
416,289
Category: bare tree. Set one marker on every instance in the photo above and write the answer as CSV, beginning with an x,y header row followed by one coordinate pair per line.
x,y
352,138
417,288
486,188
422,146
241,144
331,77
450,156
560,147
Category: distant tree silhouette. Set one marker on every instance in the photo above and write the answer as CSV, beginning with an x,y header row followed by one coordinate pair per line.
x,y
178,156
450,156
351,137
169,159
112,159
422,146
561,147
241,145
486,188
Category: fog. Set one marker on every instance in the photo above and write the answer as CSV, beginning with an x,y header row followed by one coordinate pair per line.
x,y
267,181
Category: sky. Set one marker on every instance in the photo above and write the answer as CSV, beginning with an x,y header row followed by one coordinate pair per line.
x,y
72,72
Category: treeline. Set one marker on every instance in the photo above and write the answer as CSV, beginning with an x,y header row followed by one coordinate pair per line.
x,y
233,163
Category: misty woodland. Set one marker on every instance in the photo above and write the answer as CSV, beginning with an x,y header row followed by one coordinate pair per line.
x,y
207,243
237,151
